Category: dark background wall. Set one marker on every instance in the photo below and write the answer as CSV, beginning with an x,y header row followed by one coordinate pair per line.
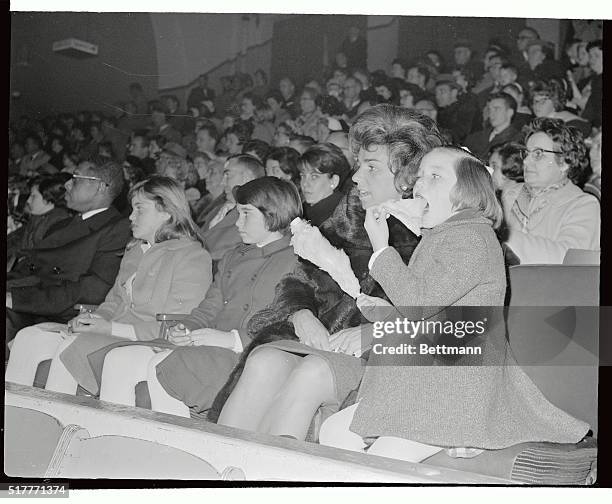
x,y
298,44
418,34
49,82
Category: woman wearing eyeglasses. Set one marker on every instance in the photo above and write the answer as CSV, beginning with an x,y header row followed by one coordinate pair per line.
x,y
548,213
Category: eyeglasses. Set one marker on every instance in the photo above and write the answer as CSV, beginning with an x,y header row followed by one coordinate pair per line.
x,y
537,153
86,177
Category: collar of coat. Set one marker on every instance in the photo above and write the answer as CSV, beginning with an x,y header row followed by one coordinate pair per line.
x,y
461,218
74,228
166,245
271,248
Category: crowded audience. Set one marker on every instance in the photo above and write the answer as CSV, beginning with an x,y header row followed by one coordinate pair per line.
x,y
186,208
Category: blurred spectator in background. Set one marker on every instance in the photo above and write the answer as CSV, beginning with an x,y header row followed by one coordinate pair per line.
x,y
465,61
355,48
200,93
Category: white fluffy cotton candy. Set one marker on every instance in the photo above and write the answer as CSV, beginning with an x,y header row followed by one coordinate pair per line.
x,y
310,244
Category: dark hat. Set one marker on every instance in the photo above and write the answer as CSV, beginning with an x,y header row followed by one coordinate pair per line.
x,y
449,79
175,150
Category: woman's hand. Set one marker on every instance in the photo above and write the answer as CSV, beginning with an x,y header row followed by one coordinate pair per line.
x,y
212,337
89,323
352,341
309,330
374,308
376,226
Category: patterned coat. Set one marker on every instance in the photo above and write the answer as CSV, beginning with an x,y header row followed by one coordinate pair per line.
x,y
489,404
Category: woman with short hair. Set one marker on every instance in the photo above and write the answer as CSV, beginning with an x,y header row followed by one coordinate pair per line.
x,y
282,162
549,213
307,123
549,98
324,172
46,207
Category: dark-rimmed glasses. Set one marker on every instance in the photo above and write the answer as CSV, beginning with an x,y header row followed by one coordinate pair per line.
x,y
537,153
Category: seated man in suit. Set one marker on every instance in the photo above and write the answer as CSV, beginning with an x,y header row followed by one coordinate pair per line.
x,y
501,110
220,233
78,258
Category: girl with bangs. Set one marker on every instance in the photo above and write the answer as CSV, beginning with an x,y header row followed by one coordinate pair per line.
x,y
165,269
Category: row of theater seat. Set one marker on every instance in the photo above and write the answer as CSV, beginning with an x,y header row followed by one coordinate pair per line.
x,y
567,376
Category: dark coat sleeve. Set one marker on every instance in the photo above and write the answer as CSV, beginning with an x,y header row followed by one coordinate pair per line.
x,y
91,287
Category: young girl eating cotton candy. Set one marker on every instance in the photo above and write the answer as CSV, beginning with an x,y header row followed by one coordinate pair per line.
x,y
410,410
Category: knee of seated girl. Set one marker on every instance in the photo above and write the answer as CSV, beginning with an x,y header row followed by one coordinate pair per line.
x,y
314,369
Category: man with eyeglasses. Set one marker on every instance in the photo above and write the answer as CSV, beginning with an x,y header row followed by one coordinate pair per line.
x,y
78,259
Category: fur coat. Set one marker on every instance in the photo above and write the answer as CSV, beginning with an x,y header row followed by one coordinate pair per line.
x,y
308,287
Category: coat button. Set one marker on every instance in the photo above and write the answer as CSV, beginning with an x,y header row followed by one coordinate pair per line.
x,y
56,270
226,301
253,278
245,307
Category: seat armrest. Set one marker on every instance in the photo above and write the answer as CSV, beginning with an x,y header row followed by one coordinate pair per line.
x,y
85,308
171,317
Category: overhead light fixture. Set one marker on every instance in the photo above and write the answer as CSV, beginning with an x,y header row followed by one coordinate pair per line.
x,y
75,48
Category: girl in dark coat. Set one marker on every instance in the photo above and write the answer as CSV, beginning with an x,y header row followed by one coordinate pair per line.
x,y
286,382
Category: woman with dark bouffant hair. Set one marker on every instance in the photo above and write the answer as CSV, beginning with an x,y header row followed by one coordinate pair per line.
x,y
279,387
165,269
324,173
549,213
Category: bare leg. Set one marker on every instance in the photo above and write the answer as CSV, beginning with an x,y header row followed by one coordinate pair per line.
x,y
160,399
60,379
264,374
31,346
123,369
310,385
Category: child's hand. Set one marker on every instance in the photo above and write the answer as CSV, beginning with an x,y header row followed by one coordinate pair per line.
x,y
376,226
179,335
88,323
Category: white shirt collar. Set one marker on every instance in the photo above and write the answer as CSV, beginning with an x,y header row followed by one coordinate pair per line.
x,y
91,213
